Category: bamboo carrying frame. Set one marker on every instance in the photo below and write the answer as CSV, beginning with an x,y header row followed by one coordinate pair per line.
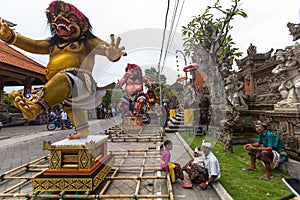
x,y
40,165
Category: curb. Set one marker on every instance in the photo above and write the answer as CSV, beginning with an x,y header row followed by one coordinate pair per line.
x,y
220,190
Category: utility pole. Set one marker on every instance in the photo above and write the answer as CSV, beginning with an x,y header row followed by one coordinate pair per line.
x,y
159,83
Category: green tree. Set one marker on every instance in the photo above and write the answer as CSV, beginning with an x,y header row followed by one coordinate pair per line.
x,y
152,75
167,93
211,35
106,100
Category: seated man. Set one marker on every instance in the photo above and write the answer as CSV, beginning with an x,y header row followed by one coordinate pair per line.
x,y
195,167
268,148
211,163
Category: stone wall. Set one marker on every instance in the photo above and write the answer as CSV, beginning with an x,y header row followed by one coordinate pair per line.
x,y
270,86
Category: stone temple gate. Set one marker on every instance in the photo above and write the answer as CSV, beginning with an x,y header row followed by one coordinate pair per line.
x,y
272,90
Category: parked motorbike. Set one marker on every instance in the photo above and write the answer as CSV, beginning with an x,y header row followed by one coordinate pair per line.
x,y
55,123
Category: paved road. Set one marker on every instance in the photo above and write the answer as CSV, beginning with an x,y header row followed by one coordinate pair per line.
x,y
22,144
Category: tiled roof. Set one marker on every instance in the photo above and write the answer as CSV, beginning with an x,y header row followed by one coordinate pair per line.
x,y
13,57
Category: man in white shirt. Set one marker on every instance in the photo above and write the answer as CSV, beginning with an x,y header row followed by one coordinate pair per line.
x,y
64,117
211,164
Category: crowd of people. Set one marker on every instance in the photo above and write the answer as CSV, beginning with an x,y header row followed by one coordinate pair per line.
x,y
61,115
203,168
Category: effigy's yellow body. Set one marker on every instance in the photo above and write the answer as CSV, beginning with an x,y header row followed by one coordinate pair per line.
x,y
72,51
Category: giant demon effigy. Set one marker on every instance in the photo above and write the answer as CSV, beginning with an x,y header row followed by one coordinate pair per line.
x,y
132,103
81,162
72,49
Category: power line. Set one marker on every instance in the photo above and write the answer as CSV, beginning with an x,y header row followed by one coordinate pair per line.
x,y
167,52
171,29
177,23
161,51
164,33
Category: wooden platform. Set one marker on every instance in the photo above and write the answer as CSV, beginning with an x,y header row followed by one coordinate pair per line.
x,y
75,165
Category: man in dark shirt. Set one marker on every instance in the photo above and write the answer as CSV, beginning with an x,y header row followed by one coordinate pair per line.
x,y
268,148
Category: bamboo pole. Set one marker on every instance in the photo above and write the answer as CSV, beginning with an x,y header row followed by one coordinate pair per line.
x,y
120,196
140,175
115,172
170,190
137,165
16,173
25,165
38,166
135,150
15,186
23,182
135,177
148,139
155,156
83,196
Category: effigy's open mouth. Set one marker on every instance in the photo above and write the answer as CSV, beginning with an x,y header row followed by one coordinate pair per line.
x,y
64,29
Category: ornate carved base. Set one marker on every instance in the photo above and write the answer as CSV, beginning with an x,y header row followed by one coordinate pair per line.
x,y
74,181
75,165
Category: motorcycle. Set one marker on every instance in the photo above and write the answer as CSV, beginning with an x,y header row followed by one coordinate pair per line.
x,y
56,123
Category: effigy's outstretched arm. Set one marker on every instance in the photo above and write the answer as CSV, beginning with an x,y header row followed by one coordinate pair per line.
x,y
10,36
148,82
122,81
112,51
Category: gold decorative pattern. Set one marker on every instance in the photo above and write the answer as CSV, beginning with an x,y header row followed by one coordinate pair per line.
x,y
85,160
55,159
89,182
62,184
101,176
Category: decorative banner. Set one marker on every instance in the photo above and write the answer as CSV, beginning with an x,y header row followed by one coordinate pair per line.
x,y
188,117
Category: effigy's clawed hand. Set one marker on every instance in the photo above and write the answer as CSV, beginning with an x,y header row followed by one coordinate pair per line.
x,y
5,31
113,51
29,109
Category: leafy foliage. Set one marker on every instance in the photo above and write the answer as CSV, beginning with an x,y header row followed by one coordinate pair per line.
x,y
213,33
210,34
152,75
6,101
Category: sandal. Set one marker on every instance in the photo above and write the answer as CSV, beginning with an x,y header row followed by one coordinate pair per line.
x,y
249,169
187,185
265,177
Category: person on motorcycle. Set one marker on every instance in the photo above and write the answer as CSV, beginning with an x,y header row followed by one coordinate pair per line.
x,y
53,115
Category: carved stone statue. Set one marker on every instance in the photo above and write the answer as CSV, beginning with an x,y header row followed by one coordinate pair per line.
x,y
234,88
289,68
294,30
251,49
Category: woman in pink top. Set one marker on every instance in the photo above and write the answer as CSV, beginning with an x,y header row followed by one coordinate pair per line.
x,y
165,159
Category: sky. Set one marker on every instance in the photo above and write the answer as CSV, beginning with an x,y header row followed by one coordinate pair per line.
x,y
140,24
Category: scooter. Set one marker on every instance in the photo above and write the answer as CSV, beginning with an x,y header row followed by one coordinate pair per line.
x,y
56,123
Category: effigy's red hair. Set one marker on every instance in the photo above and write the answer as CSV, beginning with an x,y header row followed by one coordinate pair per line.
x,y
53,8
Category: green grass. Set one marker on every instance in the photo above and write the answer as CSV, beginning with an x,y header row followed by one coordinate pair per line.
x,y
241,184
